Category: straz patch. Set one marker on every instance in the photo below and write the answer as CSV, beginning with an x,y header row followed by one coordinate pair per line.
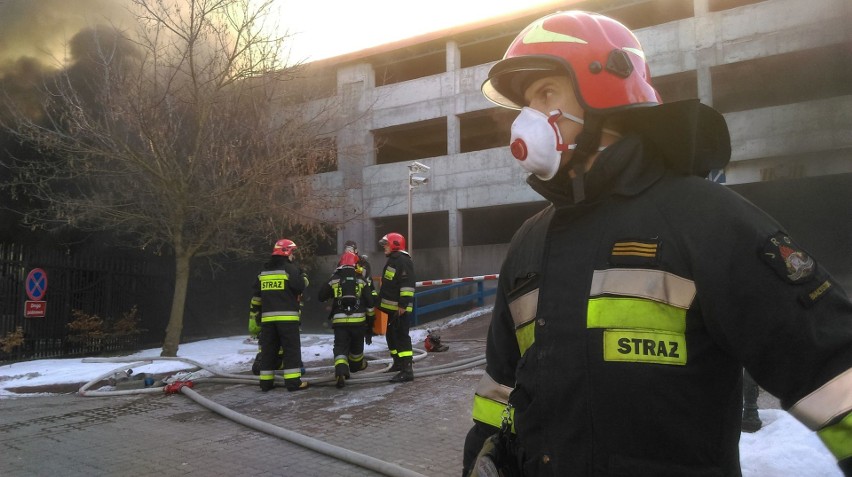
x,y
788,260
657,347
633,252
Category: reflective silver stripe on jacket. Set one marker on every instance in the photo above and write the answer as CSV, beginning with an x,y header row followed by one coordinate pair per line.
x,y
491,389
657,285
831,400
524,308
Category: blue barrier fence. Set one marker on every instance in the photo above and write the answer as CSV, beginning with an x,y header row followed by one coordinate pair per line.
x,y
478,296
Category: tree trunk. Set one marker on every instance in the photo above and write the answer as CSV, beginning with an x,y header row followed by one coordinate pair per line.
x,y
175,326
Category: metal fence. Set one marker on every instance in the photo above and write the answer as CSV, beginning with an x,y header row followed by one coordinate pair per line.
x,y
93,283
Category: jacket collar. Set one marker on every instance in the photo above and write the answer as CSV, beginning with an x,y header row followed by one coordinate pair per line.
x,y
620,169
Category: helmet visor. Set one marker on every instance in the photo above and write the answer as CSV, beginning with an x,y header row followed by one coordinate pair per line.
x,y
509,78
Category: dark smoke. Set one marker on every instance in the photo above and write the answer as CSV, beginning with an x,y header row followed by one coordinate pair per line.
x,y
40,38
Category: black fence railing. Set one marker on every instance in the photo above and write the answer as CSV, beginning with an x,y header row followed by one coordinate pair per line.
x,y
93,283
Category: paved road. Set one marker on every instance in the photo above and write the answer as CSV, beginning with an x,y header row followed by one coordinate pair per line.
x,y
418,425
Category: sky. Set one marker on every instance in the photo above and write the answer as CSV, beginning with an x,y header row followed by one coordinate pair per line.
x,y
317,29
324,29
783,447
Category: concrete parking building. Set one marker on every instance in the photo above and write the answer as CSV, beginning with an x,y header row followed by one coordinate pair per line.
x,y
779,70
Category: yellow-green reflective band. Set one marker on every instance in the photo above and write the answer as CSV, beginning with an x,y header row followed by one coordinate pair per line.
x,y
266,376
635,313
256,301
390,273
405,354
644,347
838,438
525,336
293,375
490,412
406,293
348,319
271,318
342,360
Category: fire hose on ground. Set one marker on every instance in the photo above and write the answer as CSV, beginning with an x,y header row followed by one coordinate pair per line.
x,y
185,387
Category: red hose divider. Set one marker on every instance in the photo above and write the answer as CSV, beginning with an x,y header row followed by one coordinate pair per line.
x,y
175,387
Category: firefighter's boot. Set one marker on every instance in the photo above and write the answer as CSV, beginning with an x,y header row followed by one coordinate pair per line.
x,y
355,366
296,385
397,365
405,374
266,385
341,374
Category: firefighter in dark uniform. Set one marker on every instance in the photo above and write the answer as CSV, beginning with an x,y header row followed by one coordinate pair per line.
x,y
276,302
366,271
628,307
396,298
351,315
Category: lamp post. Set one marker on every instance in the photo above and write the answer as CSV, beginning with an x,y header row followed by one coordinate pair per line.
x,y
414,181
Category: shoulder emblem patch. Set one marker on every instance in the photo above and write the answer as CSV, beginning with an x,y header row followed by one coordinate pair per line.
x,y
788,260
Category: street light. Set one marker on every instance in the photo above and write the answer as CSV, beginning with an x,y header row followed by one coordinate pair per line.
x,y
414,181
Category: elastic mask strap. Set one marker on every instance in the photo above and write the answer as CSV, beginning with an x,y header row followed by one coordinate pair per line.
x,y
588,142
577,120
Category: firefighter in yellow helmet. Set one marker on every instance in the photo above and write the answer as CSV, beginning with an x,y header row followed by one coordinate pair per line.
x,y
627,309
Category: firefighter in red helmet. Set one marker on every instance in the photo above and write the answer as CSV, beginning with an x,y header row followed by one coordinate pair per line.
x,y
396,299
619,332
351,316
275,304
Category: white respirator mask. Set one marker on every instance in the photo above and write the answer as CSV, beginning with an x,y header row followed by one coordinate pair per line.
x,y
537,142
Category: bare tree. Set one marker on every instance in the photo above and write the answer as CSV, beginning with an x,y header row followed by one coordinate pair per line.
x,y
174,134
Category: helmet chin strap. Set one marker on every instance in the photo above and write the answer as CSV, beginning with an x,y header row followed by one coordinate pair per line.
x,y
587,145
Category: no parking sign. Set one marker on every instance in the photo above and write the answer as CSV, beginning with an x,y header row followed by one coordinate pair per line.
x,y
36,288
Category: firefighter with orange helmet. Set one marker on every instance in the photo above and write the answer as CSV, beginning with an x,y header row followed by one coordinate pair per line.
x,y
276,304
619,332
396,299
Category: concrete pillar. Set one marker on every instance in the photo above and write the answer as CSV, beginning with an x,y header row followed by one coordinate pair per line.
x,y
455,245
453,134
705,54
453,123
453,56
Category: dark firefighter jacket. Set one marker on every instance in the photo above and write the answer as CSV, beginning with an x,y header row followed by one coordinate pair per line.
x,y
397,289
277,291
362,312
621,326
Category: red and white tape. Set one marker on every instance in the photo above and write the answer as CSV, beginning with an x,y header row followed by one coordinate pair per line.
x,y
447,281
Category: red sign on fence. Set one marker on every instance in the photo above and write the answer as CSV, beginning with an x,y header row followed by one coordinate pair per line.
x,y
34,309
36,284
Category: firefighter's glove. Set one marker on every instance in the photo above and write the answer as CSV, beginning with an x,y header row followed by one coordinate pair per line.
x,y
254,323
494,459
368,337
